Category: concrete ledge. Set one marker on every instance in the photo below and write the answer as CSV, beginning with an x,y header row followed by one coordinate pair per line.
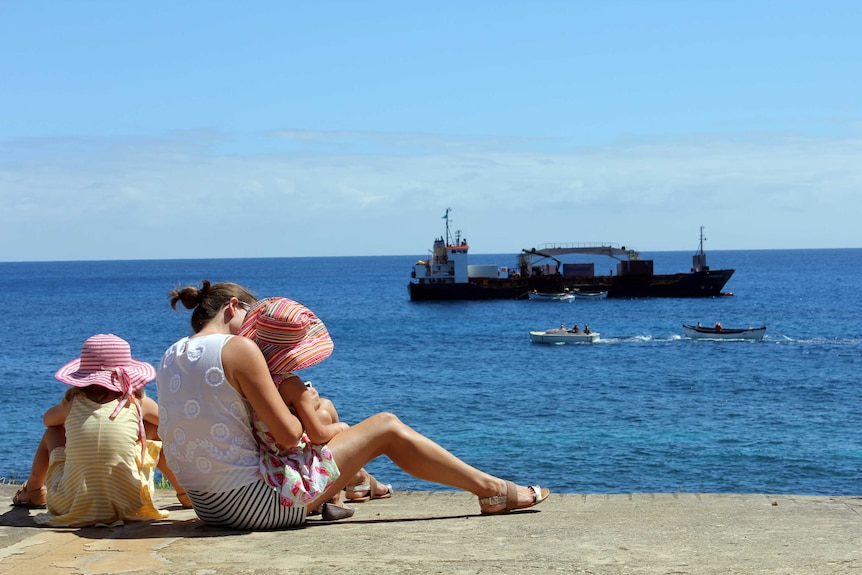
x,y
442,532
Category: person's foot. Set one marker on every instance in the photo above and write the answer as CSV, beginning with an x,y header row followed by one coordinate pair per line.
x,y
515,497
30,498
335,501
330,512
184,500
365,487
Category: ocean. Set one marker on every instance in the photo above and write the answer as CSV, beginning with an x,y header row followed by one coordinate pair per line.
x,y
643,409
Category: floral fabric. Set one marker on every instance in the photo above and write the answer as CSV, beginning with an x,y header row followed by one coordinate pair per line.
x,y
301,473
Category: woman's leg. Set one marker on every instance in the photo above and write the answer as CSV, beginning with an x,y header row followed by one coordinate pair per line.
x,y
385,434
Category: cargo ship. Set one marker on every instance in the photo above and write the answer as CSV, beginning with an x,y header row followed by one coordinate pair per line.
x,y
446,275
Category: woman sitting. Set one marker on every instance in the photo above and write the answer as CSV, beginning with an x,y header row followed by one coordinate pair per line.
x,y
210,383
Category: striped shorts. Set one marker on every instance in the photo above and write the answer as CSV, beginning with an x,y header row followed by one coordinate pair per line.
x,y
252,507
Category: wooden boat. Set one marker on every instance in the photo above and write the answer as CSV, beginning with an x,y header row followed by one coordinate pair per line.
x,y
591,295
562,336
718,332
565,297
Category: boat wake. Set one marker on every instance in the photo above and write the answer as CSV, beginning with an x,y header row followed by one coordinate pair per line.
x,y
630,339
773,338
785,337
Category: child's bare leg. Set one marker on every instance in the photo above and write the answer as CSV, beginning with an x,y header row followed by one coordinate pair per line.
x,y
324,411
33,491
365,486
152,432
328,414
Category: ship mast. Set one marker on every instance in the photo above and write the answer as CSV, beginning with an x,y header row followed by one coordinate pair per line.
x,y
700,245
448,235
698,260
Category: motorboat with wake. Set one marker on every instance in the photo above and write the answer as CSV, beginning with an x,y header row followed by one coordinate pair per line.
x,y
563,335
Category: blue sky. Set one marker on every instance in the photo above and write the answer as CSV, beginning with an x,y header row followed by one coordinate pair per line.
x,y
264,129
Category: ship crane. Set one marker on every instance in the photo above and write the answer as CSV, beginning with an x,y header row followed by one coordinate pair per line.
x,y
526,263
525,259
599,249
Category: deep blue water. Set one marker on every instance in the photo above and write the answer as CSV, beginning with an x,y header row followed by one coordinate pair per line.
x,y
642,410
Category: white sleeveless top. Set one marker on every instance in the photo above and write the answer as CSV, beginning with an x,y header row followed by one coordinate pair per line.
x,y
204,423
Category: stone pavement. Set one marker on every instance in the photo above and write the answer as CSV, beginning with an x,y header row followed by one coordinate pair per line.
x,y
442,532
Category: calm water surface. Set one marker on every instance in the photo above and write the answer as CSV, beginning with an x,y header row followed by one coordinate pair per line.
x,y
642,410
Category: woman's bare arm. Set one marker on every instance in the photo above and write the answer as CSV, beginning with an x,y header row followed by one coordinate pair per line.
x,y
246,370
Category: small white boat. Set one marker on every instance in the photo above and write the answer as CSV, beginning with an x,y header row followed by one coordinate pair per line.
x,y
565,297
591,295
562,336
719,332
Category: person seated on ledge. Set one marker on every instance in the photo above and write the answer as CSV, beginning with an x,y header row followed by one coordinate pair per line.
x,y
300,482
587,329
575,329
318,416
210,444
718,326
95,463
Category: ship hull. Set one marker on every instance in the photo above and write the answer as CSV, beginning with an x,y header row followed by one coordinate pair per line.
x,y
466,291
707,283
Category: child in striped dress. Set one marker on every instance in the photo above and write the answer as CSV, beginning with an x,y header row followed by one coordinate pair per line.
x,y
95,464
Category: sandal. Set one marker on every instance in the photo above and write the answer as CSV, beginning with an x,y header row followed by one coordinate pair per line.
x,y
19,501
370,487
511,499
332,512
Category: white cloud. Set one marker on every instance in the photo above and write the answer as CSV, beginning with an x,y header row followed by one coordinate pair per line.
x,y
382,194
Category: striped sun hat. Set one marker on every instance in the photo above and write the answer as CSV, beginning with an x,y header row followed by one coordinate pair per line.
x,y
290,336
106,360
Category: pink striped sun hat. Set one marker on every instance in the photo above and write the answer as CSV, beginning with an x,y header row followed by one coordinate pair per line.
x,y
106,360
290,336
